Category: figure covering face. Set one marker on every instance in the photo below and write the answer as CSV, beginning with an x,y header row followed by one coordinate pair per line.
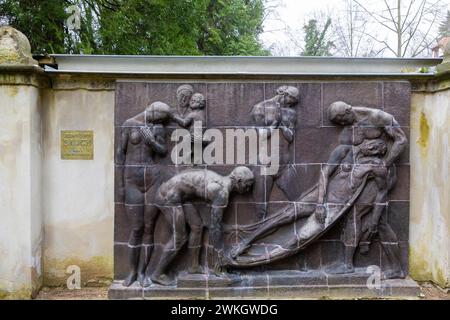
x,y
275,113
142,139
358,175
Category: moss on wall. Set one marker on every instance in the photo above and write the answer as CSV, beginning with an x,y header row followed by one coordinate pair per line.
x,y
24,292
424,129
421,269
429,218
97,271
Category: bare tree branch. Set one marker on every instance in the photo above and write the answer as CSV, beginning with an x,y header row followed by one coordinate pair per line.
x,y
407,14
414,23
374,16
392,16
382,42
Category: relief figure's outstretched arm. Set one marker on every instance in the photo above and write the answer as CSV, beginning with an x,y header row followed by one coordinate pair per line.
x,y
399,145
183,122
392,128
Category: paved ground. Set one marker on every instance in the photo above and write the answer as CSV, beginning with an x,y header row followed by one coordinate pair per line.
x,y
65,294
429,292
432,292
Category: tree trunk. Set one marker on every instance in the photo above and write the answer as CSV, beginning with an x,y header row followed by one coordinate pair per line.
x,y
399,29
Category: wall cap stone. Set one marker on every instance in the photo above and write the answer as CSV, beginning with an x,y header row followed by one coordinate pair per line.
x,y
15,48
440,82
207,66
24,75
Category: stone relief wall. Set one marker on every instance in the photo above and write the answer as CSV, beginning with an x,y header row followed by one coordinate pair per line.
x,y
338,203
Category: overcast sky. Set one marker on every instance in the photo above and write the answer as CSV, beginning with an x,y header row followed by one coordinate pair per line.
x,y
293,14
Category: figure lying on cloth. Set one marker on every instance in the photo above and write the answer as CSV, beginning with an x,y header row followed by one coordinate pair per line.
x,y
354,178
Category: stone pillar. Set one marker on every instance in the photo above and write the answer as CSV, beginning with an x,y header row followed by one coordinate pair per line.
x,y
20,165
430,176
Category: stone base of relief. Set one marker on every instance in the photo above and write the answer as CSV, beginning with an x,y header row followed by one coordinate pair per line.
x,y
272,285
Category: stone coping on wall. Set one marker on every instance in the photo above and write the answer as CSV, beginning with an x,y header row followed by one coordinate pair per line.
x,y
94,72
241,66
440,82
24,75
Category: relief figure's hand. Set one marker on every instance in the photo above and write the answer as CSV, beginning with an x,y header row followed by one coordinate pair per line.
x,y
320,213
147,133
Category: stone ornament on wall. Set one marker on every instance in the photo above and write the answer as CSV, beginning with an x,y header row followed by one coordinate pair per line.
x,y
14,48
334,207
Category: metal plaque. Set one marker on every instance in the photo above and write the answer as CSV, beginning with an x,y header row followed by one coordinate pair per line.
x,y
77,145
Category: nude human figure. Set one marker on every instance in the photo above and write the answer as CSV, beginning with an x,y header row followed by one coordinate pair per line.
x,y
347,178
142,138
367,123
368,162
275,113
278,111
181,189
195,116
364,123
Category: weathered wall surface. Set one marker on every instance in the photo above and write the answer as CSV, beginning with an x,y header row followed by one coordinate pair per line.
x,y
430,187
20,202
78,194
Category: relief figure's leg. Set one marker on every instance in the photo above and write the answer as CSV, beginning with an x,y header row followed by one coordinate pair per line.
x,y
299,210
175,218
351,236
134,206
389,243
136,214
195,224
265,229
262,189
150,215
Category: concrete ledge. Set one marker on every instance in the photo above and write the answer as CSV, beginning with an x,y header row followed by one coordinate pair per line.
x,y
241,66
24,75
440,82
273,285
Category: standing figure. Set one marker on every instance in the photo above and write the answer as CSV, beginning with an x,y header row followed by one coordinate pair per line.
x,y
275,113
370,208
365,123
192,184
141,139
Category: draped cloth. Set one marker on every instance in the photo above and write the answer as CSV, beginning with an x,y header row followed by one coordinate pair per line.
x,y
283,241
